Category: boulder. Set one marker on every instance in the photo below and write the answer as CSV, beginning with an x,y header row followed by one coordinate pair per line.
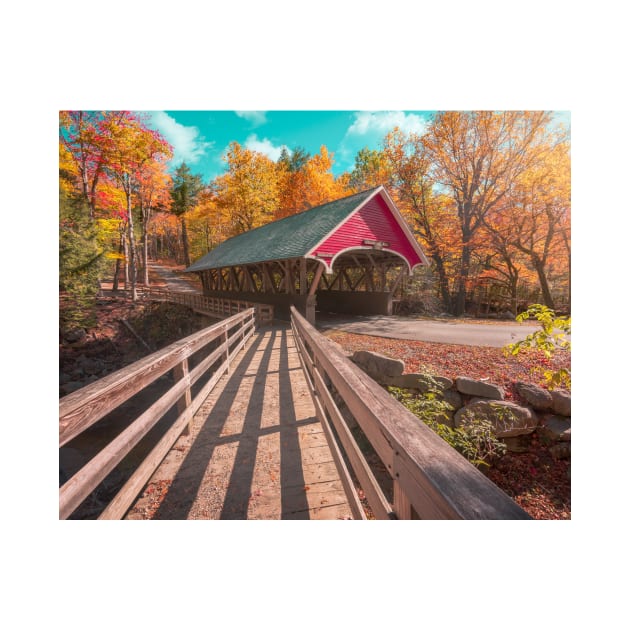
x,y
555,428
422,382
508,418
378,366
539,398
73,336
453,398
471,387
561,402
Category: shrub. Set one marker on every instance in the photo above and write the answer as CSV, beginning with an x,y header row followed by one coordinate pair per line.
x,y
475,439
552,336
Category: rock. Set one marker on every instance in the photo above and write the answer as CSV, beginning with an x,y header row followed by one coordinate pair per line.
x,y
378,366
555,428
422,382
453,398
471,387
72,336
507,315
561,402
561,450
539,398
508,418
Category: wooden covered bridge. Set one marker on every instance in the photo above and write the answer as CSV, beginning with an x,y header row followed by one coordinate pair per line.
x,y
347,256
255,418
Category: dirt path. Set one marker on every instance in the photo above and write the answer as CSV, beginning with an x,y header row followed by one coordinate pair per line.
x,y
173,280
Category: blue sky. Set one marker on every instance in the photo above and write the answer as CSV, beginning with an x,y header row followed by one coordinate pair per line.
x,y
200,138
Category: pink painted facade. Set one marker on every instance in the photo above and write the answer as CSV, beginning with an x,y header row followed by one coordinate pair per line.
x,y
373,222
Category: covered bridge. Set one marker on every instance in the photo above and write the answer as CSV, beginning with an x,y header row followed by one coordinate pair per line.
x,y
345,256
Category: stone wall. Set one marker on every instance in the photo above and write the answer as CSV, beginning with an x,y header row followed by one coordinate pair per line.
x,y
546,412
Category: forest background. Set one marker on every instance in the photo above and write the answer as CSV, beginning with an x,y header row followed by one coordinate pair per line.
x,y
486,193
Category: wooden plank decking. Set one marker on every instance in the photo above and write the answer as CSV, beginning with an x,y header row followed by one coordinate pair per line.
x,y
256,449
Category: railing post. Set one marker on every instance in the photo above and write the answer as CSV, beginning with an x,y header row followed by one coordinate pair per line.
x,y
227,349
180,371
402,506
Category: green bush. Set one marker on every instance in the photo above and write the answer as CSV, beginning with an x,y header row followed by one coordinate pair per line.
x,y
475,439
552,336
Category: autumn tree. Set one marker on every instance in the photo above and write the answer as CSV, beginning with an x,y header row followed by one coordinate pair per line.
x,y
371,168
80,134
247,194
152,195
430,214
80,252
477,157
207,225
129,147
184,193
538,210
306,181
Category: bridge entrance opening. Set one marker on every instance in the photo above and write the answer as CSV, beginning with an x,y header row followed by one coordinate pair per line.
x,y
364,281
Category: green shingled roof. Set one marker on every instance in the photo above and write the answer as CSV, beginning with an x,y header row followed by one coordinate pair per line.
x,y
291,237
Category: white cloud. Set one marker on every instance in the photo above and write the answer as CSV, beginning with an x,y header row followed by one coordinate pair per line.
x,y
188,145
368,130
255,118
264,146
368,123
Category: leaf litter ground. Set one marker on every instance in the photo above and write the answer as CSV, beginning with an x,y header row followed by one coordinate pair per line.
x,y
538,482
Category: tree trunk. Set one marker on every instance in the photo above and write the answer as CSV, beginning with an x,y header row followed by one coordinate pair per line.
x,y
145,252
185,242
542,279
443,282
460,298
514,294
121,247
126,253
133,258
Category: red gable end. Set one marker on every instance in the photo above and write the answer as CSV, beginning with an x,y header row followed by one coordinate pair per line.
x,y
374,222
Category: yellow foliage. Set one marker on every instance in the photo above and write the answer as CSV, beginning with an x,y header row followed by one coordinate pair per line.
x,y
247,195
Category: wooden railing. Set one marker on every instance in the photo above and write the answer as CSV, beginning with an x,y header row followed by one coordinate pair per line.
x,y
218,307
430,479
82,408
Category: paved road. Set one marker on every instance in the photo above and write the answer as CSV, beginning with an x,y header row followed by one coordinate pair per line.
x,y
394,327
173,281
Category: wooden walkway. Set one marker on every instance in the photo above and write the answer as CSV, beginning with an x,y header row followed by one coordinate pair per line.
x,y
256,449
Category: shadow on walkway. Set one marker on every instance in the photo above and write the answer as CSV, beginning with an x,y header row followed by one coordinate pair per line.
x,y
246,460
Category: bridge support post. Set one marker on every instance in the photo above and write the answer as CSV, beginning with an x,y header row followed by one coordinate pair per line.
x,y
310,309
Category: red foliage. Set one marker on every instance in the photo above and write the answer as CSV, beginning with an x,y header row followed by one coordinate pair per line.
x,y
455,360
